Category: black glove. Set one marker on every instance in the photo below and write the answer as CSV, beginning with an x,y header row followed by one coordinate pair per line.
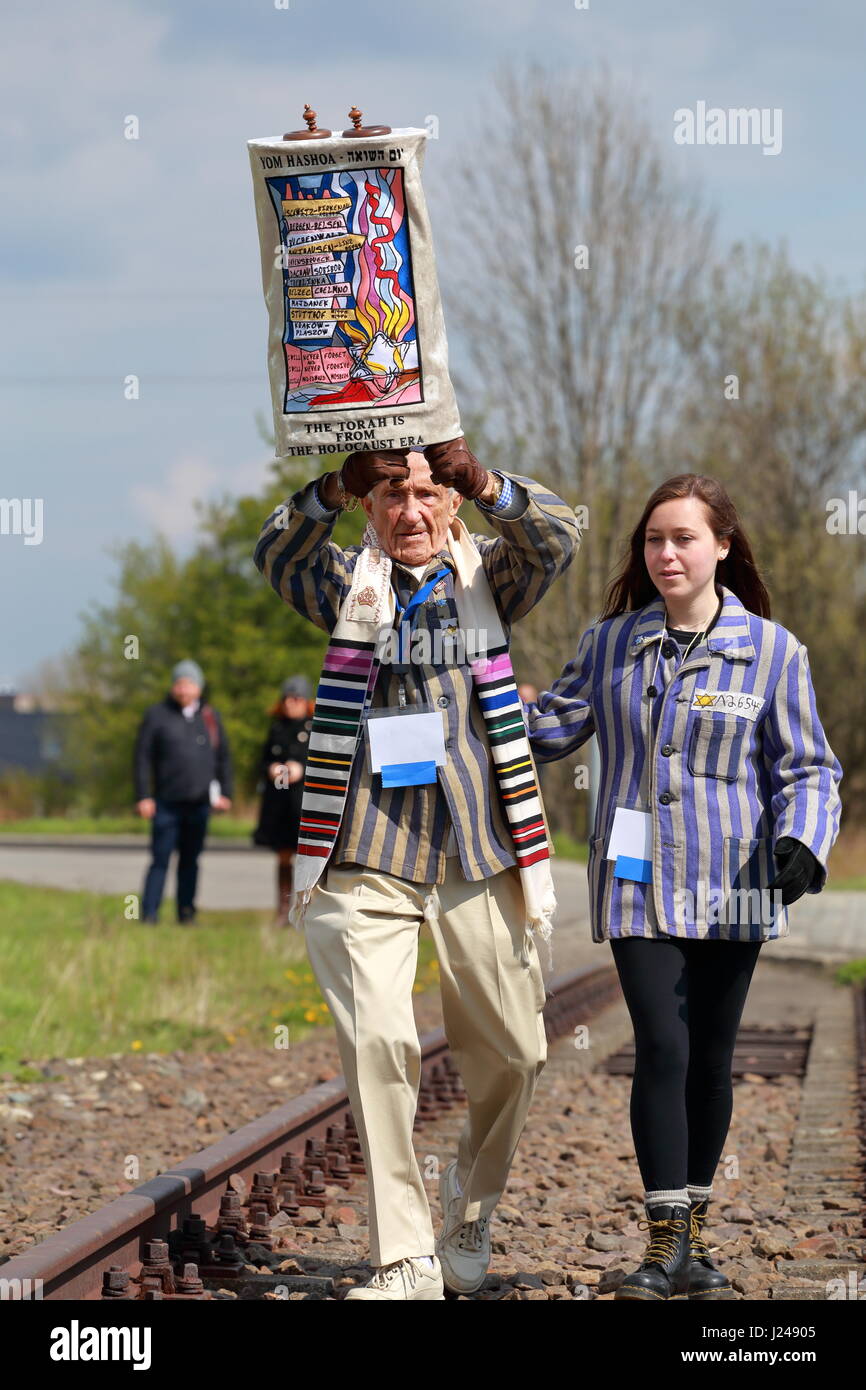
x,y
796,868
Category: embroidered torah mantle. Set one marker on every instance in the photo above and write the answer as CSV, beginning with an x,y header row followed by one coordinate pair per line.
x,y
357,354
345,691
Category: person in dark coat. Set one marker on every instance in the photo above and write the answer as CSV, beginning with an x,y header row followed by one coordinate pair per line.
x,y
182,748
283,760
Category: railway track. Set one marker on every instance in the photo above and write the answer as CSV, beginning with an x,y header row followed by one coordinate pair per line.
x,y
758,1051
194,1229
208,1228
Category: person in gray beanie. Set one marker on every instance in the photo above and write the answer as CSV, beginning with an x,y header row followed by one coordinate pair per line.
x,y
282,765
190,671
182,748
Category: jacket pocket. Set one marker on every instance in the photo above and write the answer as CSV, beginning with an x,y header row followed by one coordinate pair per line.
x,y
716,746
600,882
748,867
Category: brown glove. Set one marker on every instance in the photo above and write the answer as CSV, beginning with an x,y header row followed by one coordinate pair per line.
x,y
364,470
453,464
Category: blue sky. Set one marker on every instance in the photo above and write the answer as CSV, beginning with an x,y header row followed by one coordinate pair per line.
x,y
141,256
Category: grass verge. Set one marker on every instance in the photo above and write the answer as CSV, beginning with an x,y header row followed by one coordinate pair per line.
x,y
78,979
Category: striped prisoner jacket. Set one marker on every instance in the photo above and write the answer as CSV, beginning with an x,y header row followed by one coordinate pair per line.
x,y
407,831
728,757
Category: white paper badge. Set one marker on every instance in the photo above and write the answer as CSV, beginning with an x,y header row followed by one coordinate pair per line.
x,y
631,834
407,738
728,702
631,844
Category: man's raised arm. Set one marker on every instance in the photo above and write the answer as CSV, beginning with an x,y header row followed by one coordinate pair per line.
x,y
295,554
539,534
294,551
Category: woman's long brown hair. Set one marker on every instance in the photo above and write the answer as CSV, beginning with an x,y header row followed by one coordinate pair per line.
x,y
632,588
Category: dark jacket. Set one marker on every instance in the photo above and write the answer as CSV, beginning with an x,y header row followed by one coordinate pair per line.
x,y
280,813
179,753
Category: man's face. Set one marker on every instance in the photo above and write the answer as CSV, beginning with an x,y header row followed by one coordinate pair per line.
x,y
412,517
185,691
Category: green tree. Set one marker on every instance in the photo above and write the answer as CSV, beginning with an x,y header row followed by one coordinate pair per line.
x,y
214,607
571,250
777,413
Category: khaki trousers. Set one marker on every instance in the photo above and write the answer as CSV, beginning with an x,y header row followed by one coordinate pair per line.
x,y
362,930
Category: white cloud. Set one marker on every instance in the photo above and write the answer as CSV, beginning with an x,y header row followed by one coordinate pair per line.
x,y
168,506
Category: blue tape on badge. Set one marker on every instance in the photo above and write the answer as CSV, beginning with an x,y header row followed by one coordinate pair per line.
x,y
640,870
408,774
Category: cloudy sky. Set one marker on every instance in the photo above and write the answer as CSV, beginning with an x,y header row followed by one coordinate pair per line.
x,y
124,256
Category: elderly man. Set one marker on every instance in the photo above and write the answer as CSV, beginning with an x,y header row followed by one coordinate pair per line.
x,y
420,803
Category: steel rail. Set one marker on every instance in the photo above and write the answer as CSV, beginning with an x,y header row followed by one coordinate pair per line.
x,y
70,1264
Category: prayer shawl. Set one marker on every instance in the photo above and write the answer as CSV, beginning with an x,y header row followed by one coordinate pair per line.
x,y
346,688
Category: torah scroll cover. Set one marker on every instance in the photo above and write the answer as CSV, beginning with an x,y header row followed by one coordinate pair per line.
x,y
357,354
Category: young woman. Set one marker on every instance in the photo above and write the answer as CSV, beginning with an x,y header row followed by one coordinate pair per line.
x,y
718,805
283,759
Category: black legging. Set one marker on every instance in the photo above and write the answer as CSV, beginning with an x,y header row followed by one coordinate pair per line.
x,y
685,998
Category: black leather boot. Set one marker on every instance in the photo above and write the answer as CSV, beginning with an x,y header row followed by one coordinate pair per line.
x,y
705,1281
664,1270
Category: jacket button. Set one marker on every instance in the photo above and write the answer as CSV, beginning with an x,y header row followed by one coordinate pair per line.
x,y
667,750
669,649
443,702
665,798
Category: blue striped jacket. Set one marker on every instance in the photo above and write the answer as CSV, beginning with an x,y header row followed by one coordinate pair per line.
x,y
728,757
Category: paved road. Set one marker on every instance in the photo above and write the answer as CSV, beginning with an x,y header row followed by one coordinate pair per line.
x,y
828,926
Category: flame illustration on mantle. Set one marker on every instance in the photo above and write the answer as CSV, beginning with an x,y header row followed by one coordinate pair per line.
x,y
350,325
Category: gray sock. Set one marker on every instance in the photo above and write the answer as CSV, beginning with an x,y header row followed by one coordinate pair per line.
x,y
697,1194
665,1196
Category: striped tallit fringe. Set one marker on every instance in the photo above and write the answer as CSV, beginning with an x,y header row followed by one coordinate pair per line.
x,y
345,689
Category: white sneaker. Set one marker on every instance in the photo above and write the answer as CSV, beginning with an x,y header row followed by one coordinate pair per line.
x,y
464,1246
406,1278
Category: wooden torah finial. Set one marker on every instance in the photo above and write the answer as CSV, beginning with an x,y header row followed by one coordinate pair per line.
x,y
312,131
361,132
